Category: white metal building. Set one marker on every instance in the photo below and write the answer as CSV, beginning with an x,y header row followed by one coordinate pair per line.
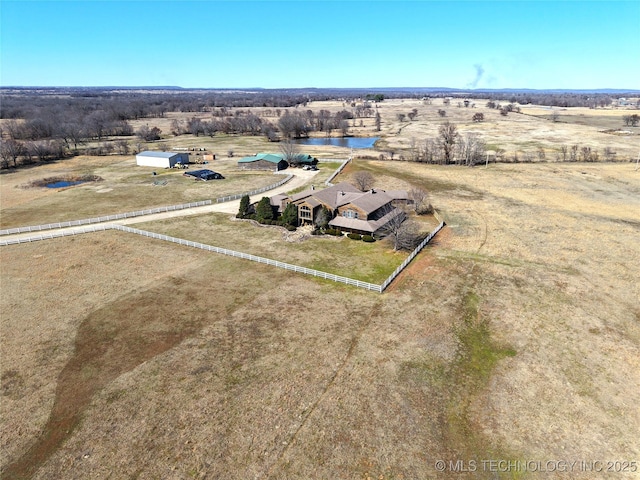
x,y
161,159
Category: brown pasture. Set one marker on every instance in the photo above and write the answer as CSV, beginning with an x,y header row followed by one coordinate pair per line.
x,y
514,336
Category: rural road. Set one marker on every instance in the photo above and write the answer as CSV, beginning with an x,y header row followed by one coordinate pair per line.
x,y
299,179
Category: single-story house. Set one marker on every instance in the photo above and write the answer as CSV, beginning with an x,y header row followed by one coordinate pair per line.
x,y
263,161
161,159
352,210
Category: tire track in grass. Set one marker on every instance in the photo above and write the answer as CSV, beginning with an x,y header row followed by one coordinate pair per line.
x,y
352,346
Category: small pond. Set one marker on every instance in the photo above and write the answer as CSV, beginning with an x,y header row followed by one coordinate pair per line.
x,y
348,142
64,183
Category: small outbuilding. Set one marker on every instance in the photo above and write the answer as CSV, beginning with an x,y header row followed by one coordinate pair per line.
x,y
204,175
161,159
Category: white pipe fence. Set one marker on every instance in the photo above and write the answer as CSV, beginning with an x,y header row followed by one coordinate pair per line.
x,y
107,218
335,174
253,258
233,253
411,256
236,196
138,213
57,234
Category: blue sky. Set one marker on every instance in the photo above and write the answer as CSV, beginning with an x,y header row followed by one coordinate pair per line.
x,y
234,44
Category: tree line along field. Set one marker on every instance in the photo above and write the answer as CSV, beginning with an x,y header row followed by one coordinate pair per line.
x,y
513,336
102,124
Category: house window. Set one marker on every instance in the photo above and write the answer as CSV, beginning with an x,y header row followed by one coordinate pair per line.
x,y
305,212
350,214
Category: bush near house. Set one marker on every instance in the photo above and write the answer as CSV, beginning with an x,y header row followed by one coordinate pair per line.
x,y
368,238
354,236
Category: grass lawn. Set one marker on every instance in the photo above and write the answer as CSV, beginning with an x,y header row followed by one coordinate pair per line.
x,y
368,262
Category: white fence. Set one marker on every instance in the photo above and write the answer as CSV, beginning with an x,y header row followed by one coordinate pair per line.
x,y
411,256
335,174
236,196
233,253
253,258
139,213
57,234
107,218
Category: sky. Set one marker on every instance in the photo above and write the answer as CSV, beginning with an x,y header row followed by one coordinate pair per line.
x,y
539,44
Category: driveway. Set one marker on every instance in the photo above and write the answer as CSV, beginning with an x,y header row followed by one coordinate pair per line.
x,y
299,179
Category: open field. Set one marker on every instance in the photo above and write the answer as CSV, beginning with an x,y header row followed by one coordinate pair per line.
x,y
515,336
125,187
524,133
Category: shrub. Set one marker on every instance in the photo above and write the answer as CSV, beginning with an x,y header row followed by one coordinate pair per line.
x,y
368,238
354,236
425,209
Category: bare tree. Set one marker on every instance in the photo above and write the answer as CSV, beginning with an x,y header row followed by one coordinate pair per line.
x,y
448,135
11,150
478,117
291,151
419,196
42,150
401,233
378,121
573,153
363,180
122,146
564,151
470,149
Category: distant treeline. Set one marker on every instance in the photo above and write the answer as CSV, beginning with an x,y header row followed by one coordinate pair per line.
x,y
43,124
128,104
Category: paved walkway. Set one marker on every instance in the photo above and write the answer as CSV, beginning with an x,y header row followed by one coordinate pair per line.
x,y
300,178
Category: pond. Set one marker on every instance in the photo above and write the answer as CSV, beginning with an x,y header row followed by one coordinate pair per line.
x,y
64,183
348,142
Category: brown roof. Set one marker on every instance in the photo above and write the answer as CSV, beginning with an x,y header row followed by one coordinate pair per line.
x,y
331,196
370,226
371,201
344,193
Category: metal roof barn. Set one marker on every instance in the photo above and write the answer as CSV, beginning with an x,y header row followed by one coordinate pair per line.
x,y
161,159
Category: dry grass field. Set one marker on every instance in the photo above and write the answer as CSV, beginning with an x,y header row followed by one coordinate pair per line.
x,y
124,187
514,336
524,132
